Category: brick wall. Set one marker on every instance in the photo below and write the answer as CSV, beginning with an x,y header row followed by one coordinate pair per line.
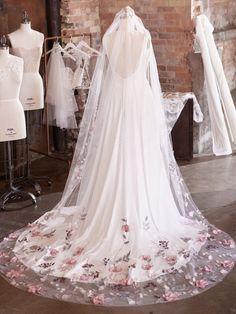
x,y
169,22
81,16
170,25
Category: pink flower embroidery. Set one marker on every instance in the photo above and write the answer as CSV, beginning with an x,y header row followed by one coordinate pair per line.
x,y
34,289
147,258
201,283
35,233
216,231
202,238
115,269
14,259
3,254
208,268
146,266
226,242
125,282
171,260
14,274
125,228
54,252
98,299
70,261
84,277
79,251
12,236
31,225
170,296
227,264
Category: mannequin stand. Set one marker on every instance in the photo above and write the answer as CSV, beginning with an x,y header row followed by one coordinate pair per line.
x,y
13,193
29,179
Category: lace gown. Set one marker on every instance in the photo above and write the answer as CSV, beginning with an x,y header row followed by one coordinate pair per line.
x,y
126,242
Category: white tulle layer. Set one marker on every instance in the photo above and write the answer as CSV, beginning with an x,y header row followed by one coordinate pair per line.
x,y
125,201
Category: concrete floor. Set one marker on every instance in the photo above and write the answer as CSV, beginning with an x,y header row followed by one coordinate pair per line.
x,y
212,182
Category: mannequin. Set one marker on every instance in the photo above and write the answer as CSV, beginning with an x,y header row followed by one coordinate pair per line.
x,y
27,43
12,118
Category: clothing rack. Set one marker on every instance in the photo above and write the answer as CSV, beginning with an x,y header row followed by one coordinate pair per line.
x,y
45,49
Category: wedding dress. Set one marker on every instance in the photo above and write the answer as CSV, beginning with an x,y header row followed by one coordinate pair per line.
x,y
126,231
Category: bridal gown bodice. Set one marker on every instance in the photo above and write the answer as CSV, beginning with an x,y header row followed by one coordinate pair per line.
x,y
32,92
122,232
12,120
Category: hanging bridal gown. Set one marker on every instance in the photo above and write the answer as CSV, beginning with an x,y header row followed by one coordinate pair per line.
x,y
126,230
60,98
221,106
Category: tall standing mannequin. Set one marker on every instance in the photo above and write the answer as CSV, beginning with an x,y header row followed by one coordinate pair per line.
x,y
12,118
27,44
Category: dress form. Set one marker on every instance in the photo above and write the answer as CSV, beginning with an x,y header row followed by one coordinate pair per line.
x,y
27,43
12,119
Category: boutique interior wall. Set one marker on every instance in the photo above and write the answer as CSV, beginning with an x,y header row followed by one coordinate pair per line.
x,y
168,21
172,30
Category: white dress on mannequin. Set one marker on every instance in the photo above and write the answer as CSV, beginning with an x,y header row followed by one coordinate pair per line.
x,y
27,44
12,118
126,230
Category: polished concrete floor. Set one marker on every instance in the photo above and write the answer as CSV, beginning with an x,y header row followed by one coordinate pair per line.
x,y
212,182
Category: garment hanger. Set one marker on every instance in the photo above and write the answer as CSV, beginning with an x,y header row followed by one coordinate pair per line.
x,y
70,44
74,48
83,43
56,45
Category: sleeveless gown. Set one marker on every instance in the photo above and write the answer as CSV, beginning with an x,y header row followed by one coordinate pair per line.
x,y
126,242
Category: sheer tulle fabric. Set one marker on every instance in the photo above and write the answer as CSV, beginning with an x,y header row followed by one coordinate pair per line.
x,y
126,230
60,99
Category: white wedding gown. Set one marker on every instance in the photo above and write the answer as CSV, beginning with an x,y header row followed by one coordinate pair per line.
x,y
129,232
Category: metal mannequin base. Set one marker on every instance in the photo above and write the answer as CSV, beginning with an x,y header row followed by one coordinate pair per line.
x,y
13,193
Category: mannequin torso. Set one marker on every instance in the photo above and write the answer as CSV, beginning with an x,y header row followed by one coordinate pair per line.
x,y
12,119
27,43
